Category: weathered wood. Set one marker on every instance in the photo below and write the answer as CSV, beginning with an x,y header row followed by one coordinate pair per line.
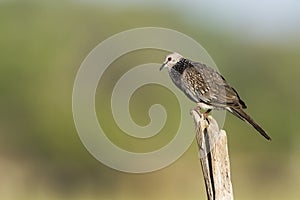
x,y
214,157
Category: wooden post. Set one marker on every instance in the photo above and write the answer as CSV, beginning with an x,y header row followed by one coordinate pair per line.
x,y
214,157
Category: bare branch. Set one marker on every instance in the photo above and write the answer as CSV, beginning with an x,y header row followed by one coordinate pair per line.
x,y
214,157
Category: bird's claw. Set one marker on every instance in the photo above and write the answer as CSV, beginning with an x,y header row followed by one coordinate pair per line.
x,y
198,110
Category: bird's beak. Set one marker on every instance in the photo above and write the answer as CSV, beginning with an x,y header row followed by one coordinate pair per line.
x,y
163,65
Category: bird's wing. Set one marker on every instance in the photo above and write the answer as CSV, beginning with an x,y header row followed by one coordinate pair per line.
x,y
209,86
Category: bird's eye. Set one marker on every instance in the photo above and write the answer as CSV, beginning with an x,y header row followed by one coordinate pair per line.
x,y
169,59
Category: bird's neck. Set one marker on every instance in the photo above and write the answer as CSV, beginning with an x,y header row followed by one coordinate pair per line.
x,y
181,65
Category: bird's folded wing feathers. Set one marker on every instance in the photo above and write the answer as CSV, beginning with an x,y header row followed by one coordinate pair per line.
x,y
210,86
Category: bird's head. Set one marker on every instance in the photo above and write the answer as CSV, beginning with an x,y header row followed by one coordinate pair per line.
x,y
171,60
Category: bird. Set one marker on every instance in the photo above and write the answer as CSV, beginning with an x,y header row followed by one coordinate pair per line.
x,y
205,86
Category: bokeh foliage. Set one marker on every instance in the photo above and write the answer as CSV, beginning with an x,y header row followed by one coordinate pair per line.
x,y
42,45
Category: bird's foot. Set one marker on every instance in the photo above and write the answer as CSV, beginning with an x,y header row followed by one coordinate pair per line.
x,y
198,110
206,113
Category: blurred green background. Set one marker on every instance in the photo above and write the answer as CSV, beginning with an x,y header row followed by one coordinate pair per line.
x,y
256,46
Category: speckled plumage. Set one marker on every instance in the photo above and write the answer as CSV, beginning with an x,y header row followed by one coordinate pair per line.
x,y
204,84
207,87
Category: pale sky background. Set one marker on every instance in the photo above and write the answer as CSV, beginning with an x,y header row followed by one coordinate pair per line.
x,y
264,19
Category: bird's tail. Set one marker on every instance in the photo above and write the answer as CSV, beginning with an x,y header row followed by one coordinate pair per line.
x,y
245,117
